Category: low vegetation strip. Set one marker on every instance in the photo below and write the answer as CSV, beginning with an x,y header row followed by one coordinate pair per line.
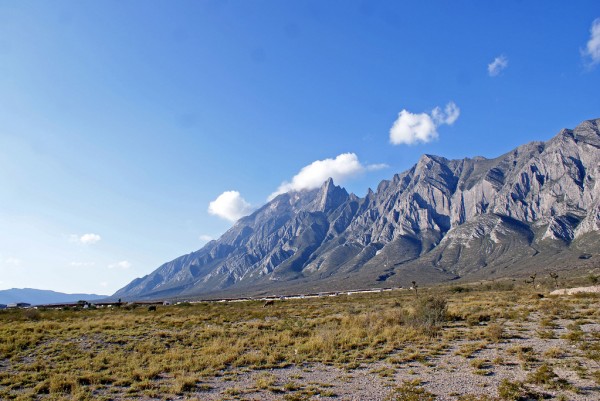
x,y
403,341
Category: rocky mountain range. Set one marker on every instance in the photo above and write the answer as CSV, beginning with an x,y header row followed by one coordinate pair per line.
x,y
535,208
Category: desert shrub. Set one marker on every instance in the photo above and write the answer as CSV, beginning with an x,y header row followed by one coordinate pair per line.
x,y
596,376
515,391
545,376
265,381
185,384
524,354
42,387
478,318
546,334
62,384
429,314
479,363
554,352
499,286
410,391
494,332
32,314
459,289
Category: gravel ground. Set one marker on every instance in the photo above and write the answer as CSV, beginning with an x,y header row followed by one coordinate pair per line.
x,y
448,375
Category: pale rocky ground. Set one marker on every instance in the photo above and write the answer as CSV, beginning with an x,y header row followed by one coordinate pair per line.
x,y
576,290
448,375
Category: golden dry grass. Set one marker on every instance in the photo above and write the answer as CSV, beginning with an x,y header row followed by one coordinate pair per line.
x,y
121,353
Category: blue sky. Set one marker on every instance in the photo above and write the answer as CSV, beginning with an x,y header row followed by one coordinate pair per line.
x,y
120,122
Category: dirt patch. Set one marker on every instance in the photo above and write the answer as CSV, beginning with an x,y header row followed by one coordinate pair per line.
x,y
576,290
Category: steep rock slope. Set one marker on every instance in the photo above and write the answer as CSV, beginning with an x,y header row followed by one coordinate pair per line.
x,y
440,220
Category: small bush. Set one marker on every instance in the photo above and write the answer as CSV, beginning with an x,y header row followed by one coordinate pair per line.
x,y
292,386
494,332
32,314
479,363
596,376
515,391
554,352
410,391
478,318
185,385
265,381
459,289
544,375
62,384
429,314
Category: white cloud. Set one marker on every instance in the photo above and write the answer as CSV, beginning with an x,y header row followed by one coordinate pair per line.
x,y
410,128
497,66
230,205
592,48
341,168
85,239
205,238
120,265
103,284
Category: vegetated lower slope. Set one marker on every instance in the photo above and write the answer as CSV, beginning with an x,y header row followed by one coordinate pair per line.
x,y
38,297
535,207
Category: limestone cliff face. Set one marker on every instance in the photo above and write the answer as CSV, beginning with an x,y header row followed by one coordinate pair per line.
x,y
442,217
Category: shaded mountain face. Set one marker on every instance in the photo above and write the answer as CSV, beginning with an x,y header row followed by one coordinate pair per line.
x,y
537,206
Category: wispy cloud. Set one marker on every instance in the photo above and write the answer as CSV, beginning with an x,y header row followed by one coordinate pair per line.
x,y
230,205
205,238
85,239
591,53
497,66
120,265
376,166
82,264
411,128
448,116
342,168
13,262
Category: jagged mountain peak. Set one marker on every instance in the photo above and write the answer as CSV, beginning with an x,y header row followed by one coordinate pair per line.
x,y
441,219
588,132
330,196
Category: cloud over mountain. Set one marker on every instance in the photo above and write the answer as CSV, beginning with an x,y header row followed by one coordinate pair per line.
x,y
342,168
230,206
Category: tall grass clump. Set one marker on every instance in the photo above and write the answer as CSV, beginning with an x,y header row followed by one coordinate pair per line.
x,y
429,314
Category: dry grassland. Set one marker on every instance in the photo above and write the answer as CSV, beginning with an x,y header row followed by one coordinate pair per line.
x,y
455,343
